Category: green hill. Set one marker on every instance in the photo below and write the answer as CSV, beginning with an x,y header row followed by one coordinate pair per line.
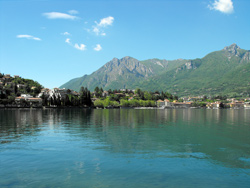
x,y
218,73
11,87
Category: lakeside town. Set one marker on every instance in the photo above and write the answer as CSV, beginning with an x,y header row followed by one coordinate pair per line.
x,y
16,92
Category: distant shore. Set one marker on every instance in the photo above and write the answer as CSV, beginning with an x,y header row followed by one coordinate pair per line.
x,y
79,107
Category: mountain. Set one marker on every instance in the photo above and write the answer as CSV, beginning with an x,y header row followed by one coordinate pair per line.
x,y
221,72
123,73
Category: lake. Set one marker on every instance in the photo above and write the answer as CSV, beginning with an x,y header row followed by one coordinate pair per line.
x,y
124,148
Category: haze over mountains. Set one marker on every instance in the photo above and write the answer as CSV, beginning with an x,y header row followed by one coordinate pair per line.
x,y
221,72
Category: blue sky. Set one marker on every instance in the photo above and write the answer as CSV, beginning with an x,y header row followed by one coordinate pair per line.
x,y
55,41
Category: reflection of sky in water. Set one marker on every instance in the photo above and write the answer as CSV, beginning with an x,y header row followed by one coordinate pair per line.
x,y
125,148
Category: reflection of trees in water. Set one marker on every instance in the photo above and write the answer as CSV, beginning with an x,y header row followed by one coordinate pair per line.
x,y
216,134
19,122
187,132
197,133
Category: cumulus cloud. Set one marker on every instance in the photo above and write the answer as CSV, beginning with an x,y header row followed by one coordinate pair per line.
x,y
59,15
67,40
106,21
81,47
98,47
224,6
66,33
28,37
73,12
98,28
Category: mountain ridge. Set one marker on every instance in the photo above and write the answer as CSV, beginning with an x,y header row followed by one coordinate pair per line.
x,y
174,76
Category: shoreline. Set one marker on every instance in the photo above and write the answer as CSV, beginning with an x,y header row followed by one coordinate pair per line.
x,y
136,108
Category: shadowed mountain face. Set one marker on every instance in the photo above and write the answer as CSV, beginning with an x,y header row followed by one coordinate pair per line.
x,y
221,72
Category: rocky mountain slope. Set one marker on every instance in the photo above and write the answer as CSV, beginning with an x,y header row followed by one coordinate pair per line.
x,y
222,72
123,73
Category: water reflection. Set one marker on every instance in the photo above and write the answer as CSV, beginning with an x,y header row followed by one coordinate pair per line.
x,y
18,123
221,136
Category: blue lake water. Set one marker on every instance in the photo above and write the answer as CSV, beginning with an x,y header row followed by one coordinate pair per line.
x,y
124,148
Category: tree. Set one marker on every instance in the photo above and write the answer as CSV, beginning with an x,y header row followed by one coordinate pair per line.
x,y
204,98
110,91
67,101
98,103
27,88
168,95
106,102
15,89
89,101
51,101
58,101
124,103
147,95
83,96
97,89
68,91
54,100
175,97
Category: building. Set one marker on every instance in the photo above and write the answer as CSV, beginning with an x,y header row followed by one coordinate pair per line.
x,y
9,84
105,93
21,86
45,92
28,100
7,76
214,105
130,98
181,105
237,104
247,105
160,103
35,102
57,92
167,103
26,96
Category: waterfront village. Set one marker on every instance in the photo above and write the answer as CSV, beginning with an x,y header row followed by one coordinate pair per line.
x,y
18,92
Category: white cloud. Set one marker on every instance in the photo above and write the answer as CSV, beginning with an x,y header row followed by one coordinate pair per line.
x,y
67,40
82,47
66,33
28,37
106,21
98,29
73,12
59,15
98,47
224,6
